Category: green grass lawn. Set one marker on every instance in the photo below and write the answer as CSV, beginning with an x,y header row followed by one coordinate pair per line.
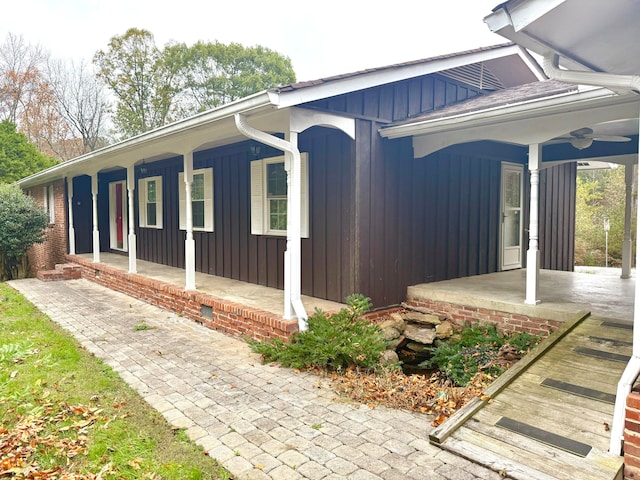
x,y
65,414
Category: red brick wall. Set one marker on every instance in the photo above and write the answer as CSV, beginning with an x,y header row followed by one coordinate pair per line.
x,y
508,322
44,256
228,317
632,436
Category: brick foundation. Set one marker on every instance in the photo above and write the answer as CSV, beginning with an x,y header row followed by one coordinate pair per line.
x,y
44,256
228,317
508,322
632,436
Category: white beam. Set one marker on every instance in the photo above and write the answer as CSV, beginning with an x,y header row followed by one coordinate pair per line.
x,y
96,232
626,242
72,230
189,243
131,186
533,254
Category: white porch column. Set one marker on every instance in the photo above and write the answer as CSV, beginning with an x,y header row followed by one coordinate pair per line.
x,y
533,254
292,256
626,243
189,243
96,233
72,230
131,187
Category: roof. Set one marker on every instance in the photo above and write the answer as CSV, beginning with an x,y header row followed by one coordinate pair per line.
x,y
267,110
500,98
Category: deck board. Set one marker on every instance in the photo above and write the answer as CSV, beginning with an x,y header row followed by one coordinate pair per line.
x,y
567,414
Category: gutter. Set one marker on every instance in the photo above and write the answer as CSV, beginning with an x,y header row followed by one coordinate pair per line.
x,y
632,370
292,265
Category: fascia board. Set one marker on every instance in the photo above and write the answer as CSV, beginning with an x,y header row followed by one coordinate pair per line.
x,y
389,75
111,155
559,103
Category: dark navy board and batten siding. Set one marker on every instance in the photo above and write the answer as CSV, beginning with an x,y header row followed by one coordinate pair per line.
x,y
380,220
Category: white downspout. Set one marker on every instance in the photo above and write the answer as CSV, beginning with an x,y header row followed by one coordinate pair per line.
x,y
632,370
72,230
96,232
293,252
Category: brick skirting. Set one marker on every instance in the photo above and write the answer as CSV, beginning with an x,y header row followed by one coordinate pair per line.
x,y
225,316
505,321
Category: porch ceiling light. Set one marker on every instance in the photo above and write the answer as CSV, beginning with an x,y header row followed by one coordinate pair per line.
x,y
582,143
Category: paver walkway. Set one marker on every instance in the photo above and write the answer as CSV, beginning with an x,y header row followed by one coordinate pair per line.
x,y
259,421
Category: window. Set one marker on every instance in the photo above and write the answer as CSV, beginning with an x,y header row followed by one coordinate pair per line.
x,y
269,197
201,200
150,202
49,203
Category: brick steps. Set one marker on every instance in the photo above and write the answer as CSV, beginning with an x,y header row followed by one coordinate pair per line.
x,y
62,271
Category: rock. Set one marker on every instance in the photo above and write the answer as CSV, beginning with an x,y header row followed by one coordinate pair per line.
x,y
394,321
444,330
399,342
423,318
420,334
389,333
389,357
417,347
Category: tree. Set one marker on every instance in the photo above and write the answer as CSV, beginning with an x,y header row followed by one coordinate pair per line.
x,y
19,75
142,80
216,73
19,157
22,223
81,101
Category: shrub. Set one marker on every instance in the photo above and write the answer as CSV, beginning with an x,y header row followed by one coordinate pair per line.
x,y
334,341
476,348
22,223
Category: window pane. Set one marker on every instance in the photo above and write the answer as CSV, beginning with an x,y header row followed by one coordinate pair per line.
x,y
276,180
198,213
151,214
197,189
151,191
278,214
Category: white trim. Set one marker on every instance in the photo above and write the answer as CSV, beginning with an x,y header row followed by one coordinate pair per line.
x,y
113,228
143,191
208,200
260,203
49,201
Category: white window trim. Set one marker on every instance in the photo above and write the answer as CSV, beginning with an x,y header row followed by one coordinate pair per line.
x,y
112,220
259,201
48,196
142,202
208,200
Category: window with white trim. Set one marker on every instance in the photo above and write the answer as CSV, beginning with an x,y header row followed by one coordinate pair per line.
x,y
201,200
48,196
269,197
150,202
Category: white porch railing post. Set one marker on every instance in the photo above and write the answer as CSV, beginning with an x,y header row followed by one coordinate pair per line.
x,y
96,232
533,254
131,186
626,243
72,230
189,243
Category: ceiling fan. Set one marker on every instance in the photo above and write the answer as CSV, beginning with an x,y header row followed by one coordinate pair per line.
x,y
584,137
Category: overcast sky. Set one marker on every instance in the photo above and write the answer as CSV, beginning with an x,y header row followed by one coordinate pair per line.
x,y
322,38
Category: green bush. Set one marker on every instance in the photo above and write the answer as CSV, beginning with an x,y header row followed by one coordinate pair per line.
x,y
333,342
22,223
478,346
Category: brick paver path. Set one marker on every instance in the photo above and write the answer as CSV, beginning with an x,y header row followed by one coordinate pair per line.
x,y
259,421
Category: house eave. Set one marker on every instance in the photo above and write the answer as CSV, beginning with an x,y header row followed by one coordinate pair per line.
x,y
525,109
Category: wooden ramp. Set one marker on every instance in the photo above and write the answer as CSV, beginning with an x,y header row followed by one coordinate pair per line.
x,y
550,419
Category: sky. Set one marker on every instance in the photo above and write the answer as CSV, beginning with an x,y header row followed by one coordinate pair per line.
x,y
322,38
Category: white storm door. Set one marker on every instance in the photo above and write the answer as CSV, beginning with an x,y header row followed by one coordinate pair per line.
x,y
511,206
118,216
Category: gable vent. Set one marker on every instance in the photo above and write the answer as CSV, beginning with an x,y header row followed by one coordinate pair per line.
x,y
476,75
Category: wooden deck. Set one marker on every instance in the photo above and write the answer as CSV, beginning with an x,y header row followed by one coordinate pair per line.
x,y
552,420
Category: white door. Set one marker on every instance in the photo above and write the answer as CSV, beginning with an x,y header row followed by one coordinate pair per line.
x,y
118,215
511,206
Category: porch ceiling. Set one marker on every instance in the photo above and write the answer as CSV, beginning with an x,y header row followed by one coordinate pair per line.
x,y
596,35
